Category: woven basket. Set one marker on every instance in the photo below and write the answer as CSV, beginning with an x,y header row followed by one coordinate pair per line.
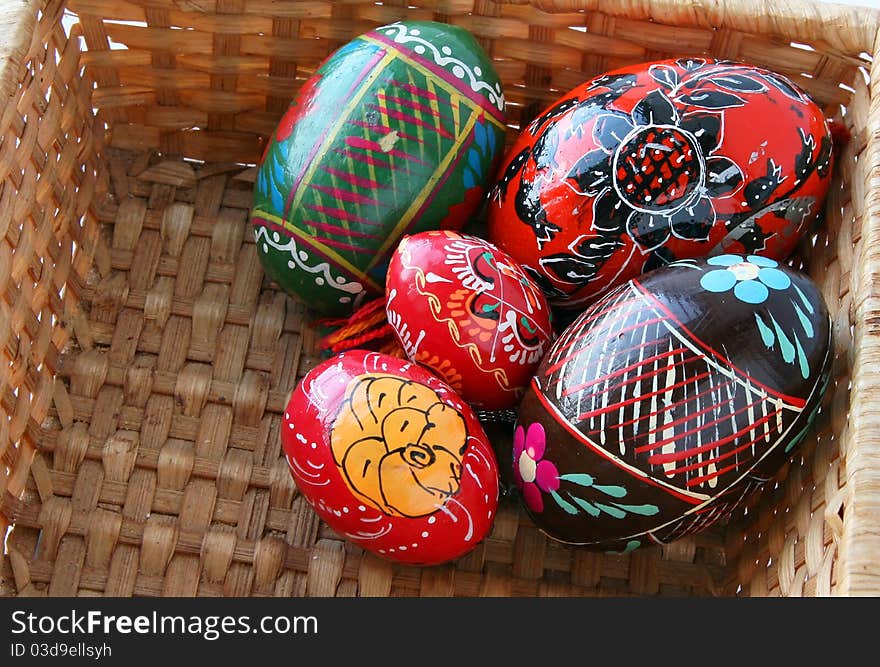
x,y
148,360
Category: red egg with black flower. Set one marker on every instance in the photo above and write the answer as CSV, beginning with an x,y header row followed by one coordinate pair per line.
x,y
658,162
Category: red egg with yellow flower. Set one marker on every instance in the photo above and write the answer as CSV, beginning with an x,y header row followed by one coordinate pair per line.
x,y
391,458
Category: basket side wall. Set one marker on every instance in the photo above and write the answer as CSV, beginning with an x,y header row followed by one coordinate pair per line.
x,y
49,174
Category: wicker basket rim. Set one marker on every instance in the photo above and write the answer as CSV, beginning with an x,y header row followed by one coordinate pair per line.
x,y
846,33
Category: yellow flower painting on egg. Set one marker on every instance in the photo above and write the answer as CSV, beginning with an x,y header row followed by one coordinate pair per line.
x,y
398,445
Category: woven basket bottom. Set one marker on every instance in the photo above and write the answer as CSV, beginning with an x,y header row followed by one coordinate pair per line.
x,y
161,473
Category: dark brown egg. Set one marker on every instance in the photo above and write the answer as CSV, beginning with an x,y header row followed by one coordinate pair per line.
x,y
671,400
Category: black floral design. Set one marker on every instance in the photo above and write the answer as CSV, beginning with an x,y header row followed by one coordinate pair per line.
x,y
655,173
743,227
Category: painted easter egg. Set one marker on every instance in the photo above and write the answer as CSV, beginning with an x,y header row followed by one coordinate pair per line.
x,y
398,131
391,458
657,162
671,400
469,312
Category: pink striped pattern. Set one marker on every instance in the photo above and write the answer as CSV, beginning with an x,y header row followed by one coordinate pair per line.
x,y
348,196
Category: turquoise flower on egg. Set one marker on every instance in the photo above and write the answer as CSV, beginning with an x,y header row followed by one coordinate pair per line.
x,y
751,278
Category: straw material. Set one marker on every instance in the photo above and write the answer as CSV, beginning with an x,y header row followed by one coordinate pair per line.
x,y
149,359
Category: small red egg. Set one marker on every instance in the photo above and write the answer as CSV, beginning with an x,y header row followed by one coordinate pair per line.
x,y
470,313
391,458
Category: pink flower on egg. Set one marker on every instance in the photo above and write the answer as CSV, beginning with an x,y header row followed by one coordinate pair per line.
x,y
532,472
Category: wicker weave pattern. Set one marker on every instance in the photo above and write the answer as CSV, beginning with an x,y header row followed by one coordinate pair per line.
x,y
150,364
49,173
